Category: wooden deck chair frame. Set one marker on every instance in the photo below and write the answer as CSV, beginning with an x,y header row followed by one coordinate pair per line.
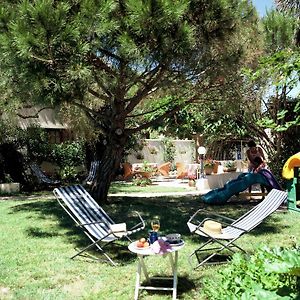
x,y
92,172
41,176
232,229
164,169
93,220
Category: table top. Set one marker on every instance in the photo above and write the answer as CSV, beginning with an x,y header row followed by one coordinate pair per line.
x,y
148,251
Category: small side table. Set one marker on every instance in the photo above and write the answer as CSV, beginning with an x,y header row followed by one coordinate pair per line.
x,y
141,253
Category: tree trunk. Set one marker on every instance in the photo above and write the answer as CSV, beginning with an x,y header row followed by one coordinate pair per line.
x,y
110,162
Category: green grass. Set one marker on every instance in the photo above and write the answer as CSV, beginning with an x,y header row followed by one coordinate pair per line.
x,y
120,187
38,238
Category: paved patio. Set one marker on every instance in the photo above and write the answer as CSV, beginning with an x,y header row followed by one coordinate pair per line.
x,y
170,182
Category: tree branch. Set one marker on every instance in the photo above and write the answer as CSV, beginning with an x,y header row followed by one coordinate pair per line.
x,y
159,119
134,101
100,64
49,61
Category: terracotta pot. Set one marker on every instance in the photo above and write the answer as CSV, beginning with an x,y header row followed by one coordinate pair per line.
x,y
144,174
229,169
216,166
208,170
192,182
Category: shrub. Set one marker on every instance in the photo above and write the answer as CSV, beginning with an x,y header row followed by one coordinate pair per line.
x,y
141,181
264,275
68,154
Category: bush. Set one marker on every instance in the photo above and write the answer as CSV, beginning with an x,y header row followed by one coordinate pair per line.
x,y
141,181
264,275
68,154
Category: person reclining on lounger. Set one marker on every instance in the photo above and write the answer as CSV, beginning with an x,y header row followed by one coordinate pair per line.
x,y
259,164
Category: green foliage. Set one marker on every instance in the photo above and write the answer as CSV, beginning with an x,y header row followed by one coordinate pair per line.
x,y
107,57
7,179
146,167
169,150
65,154
141,181
9,133
38,145
68,173
69,154
258,276
279,30
280,113
286,261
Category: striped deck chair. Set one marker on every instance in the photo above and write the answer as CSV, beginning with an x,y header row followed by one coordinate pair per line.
x,y
41,176
92,173
232,229
92,219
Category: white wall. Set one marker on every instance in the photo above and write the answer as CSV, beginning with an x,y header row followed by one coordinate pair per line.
x,y
185,152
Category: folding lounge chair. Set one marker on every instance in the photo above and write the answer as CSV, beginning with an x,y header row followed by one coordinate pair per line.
x,y
181,170
232,229
41,176
164,169
92,219
128,173
92,172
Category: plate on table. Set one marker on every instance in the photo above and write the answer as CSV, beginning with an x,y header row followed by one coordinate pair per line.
x,y
140,248
175,243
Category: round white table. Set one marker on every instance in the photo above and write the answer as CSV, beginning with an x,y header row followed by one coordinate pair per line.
x,y
141,253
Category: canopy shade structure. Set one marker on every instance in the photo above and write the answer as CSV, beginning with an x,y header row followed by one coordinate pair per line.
x,y
46,118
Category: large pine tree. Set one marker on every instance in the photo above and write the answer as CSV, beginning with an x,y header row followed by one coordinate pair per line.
x,y
104,57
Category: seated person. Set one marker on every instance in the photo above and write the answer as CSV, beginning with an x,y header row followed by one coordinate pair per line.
x,y
258,164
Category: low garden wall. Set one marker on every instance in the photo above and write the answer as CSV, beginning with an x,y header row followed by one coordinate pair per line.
x,y
163,150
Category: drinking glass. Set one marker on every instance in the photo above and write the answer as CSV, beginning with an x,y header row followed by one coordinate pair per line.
x,y
155,224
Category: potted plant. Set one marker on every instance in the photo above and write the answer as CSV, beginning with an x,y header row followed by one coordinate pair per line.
x,y
139,156
153,150
140,180
8,186
192,180
229,166
209,165
146,170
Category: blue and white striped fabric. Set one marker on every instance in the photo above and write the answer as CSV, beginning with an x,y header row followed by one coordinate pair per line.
x,y
87,213
246,222
92,173
41,176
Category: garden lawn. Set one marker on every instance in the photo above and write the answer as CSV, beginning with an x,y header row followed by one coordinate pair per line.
x,y
38,239
129,187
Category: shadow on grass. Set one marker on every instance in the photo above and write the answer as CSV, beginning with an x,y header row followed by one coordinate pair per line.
x,y
173,212
118,252
37,232
184,285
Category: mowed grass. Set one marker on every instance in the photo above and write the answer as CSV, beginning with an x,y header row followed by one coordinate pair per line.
x,y
38,239
129,187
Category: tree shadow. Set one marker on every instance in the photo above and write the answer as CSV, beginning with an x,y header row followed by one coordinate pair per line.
x,y
39,233
184,285
173,212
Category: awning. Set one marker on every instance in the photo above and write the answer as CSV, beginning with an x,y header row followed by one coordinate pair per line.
x,y
47,118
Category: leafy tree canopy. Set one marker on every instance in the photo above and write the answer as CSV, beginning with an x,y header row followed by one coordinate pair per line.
x,y
105,57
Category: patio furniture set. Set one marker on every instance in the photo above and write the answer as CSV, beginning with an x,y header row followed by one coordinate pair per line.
x,y
217,230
